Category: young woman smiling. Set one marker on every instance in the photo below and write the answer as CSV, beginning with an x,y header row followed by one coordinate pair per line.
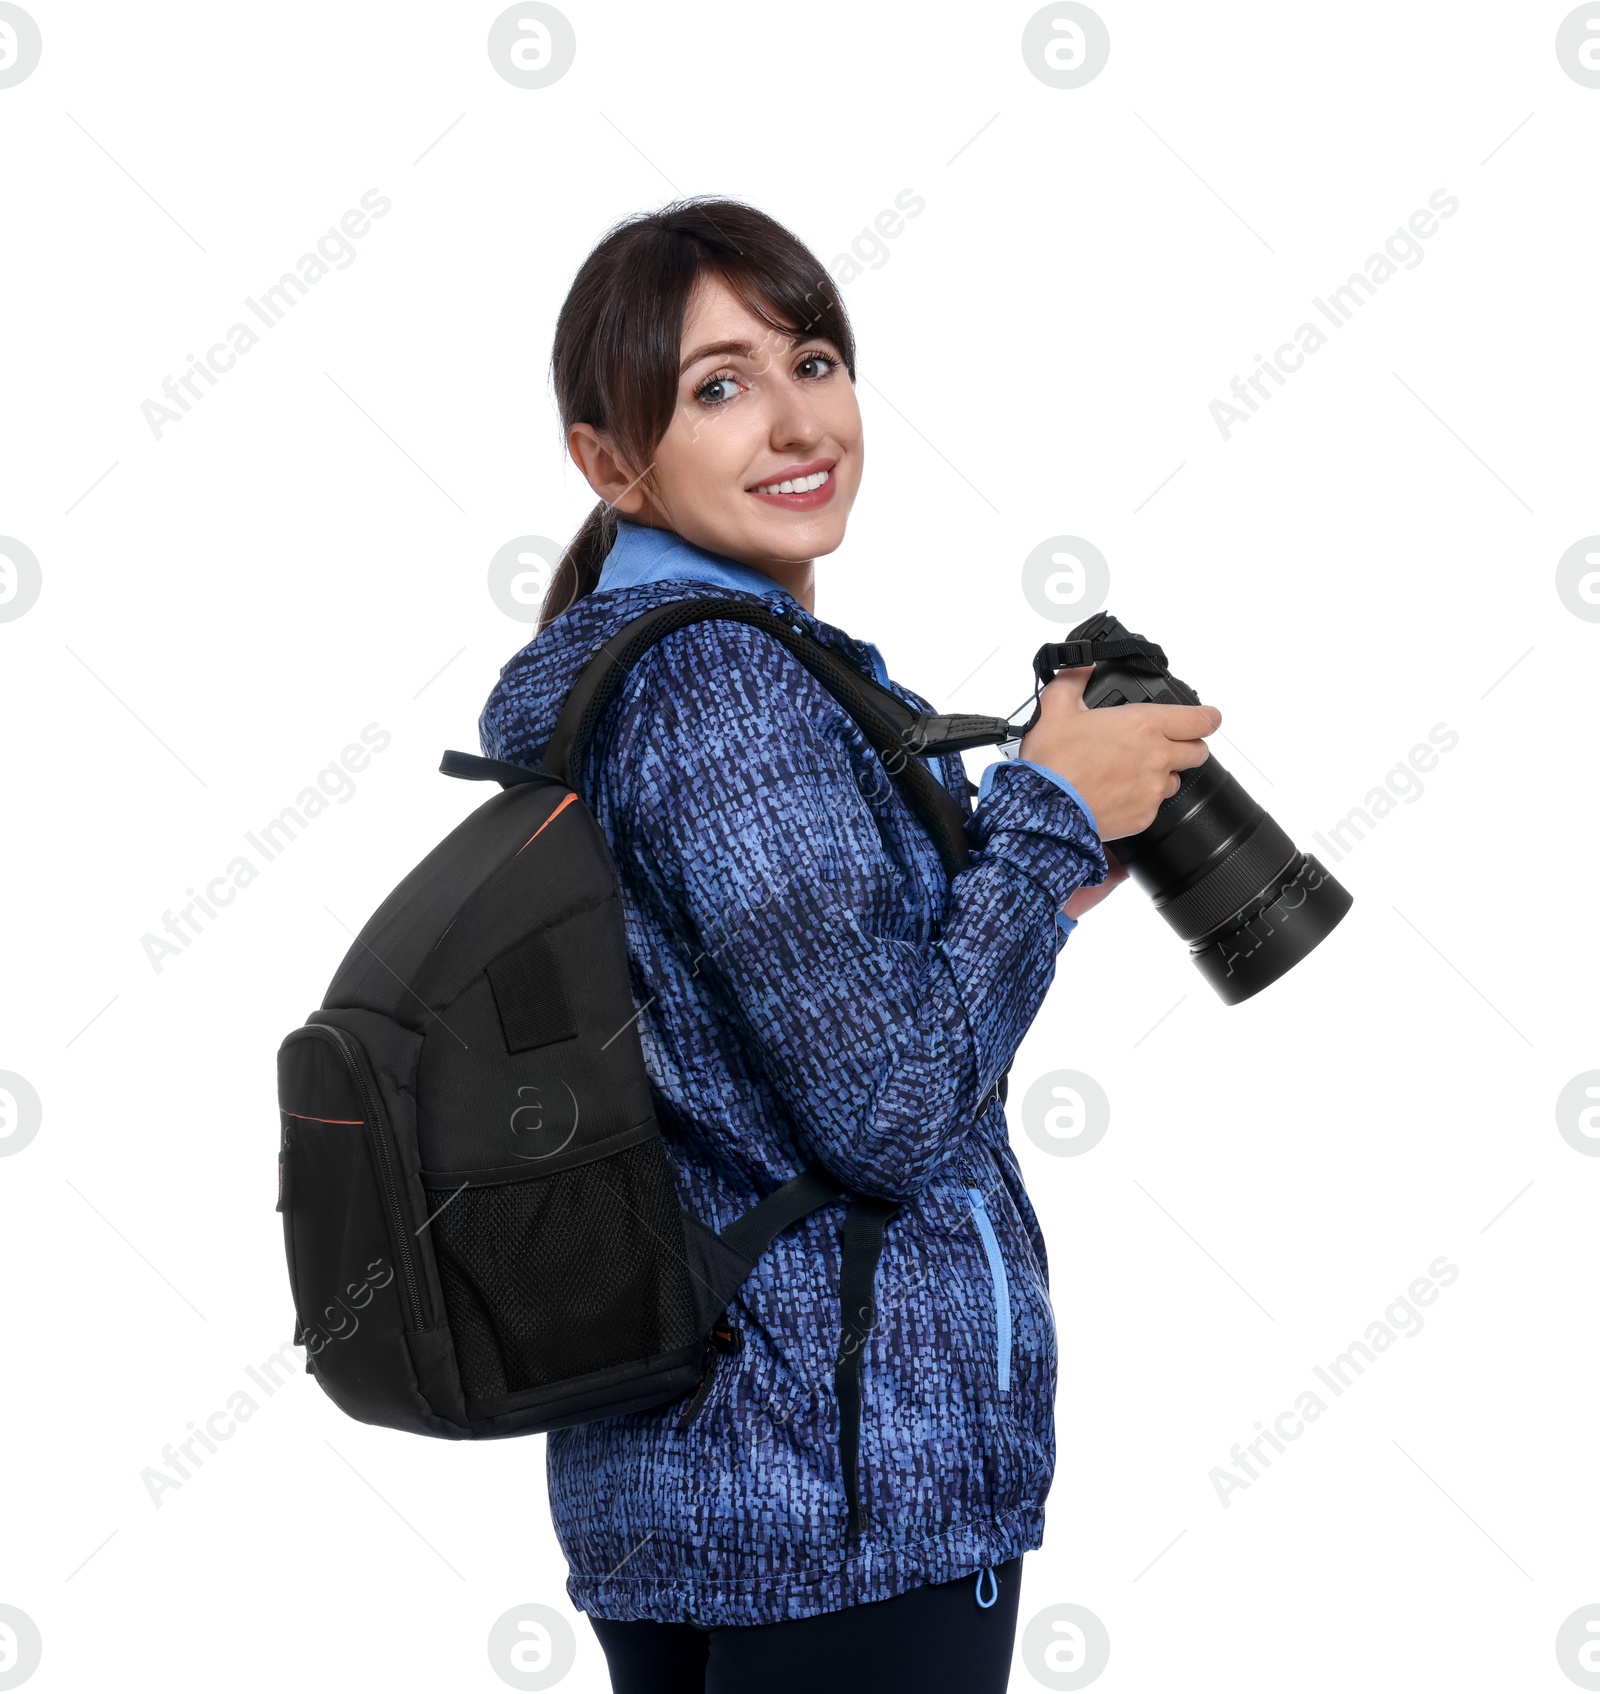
x,y
811,984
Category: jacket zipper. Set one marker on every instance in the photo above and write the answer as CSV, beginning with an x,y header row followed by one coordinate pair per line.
x,y
372,1111
1002,1292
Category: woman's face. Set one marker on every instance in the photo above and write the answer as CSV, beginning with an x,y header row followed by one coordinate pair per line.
x,y
756,408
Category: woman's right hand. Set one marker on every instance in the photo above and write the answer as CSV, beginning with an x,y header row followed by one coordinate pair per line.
x,y
1124,760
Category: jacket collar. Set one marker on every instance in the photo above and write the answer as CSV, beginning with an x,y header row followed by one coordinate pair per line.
x,y
641,554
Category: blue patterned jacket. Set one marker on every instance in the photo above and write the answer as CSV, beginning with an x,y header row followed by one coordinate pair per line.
x,y
814,986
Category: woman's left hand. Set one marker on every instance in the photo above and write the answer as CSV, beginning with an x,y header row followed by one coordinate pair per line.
x,y
1085,899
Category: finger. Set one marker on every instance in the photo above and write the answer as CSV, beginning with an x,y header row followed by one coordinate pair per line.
x,y
1067,686
1185,723
1185,755
1174,783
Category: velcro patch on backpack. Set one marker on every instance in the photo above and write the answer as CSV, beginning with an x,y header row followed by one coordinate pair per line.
x,y
528,994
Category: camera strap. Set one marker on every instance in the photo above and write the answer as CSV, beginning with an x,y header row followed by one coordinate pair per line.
x,y
1136,654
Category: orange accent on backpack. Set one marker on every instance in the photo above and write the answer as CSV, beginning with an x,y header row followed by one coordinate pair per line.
x,y
548,821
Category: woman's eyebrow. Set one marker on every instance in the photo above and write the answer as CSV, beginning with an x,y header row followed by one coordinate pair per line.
x,y
730,349
721,349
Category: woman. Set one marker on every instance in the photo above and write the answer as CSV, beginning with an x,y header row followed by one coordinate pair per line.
x,y
811,984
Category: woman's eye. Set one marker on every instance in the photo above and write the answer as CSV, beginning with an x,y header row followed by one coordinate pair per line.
x,y
814,365
718,391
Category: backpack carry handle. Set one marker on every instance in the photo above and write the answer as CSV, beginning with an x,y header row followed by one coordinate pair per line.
x,y
472,768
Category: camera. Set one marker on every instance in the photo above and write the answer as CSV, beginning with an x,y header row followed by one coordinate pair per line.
x,y
1214,862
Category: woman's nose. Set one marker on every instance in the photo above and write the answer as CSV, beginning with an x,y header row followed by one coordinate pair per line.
x,y
795,422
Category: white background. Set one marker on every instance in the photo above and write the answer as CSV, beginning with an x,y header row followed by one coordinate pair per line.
x,y
306,553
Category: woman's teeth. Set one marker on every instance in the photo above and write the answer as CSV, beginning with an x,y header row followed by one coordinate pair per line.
x,y
800,485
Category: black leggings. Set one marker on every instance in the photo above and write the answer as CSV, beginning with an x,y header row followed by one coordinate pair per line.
x,y
935,1637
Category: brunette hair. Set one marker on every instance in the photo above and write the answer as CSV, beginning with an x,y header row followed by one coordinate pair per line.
x,y
619,337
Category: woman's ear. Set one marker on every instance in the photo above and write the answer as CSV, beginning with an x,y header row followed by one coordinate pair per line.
x,y
604,471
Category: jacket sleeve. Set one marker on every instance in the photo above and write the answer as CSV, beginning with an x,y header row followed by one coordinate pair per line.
x,y
749,793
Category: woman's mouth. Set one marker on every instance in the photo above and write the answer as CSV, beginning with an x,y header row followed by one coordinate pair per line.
x,y
799,488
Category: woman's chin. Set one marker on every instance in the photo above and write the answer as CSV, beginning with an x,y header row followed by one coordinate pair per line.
x,y
798,535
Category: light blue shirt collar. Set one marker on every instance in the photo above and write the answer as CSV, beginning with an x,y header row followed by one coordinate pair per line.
x,y
642,554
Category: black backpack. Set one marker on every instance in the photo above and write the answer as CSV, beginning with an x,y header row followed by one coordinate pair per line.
x,y
483,1232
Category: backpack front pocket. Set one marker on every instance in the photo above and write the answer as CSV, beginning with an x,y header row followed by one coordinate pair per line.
x,y
349,1237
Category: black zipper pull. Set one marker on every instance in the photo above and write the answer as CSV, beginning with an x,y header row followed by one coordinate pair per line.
x,y
724,1338
692,1410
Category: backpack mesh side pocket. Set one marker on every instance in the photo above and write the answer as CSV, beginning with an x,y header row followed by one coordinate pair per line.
x,y
557,1276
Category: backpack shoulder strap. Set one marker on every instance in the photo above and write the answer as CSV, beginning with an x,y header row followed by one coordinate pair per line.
x,y
898,731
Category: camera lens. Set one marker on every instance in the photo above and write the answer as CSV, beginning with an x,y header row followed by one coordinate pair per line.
x,y
1215,863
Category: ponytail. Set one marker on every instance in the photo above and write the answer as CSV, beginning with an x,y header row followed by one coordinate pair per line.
x,y
579,569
